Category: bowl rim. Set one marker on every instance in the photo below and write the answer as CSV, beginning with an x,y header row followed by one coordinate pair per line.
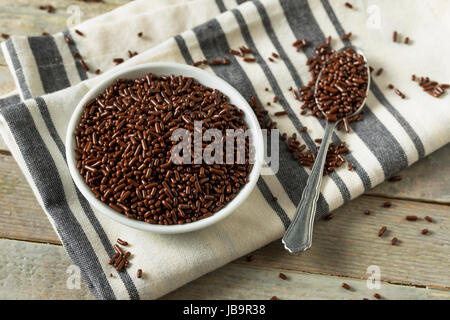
x,y
208,79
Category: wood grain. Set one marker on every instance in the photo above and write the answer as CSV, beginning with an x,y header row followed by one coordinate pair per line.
x,y
343,246
37,271
250,282
348,244
21,216
426,180
20,17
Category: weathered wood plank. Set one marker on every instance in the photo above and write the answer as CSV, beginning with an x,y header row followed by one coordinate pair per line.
x,y
349,243
36,271
250,282
346,245
426,180
21,216
20,17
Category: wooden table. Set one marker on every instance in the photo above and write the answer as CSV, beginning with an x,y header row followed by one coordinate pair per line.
x,y
33,263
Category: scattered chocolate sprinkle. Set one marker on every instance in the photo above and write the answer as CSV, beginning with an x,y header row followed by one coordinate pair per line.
x,y
122,242
394,36
79,32
395,178
429,219
367,212
411,218
5,36
140,34
379,72
84,65
131,54
275,55
249,59
270,59
390,86
97,71
68,40
274,298
282,276
382,231
386,204
232,51
377,295
406,40
139,273
348,5
118,60
45,33
346,36
424,231
346,286
394,241
399,93
280,113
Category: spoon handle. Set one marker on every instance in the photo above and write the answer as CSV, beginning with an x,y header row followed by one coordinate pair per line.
x,y
298,236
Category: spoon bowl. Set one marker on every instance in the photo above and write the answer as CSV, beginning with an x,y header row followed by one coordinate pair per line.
x,y
361,53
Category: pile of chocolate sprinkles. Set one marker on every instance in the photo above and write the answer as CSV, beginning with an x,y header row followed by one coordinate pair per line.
x,y
120,259
242,52
341,89
304,156
315,64
123,146
431,87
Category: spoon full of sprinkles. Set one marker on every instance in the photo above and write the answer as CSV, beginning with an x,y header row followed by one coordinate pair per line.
x,y
340,93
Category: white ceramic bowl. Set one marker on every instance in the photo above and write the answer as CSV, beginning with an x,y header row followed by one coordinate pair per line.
x,y
164,68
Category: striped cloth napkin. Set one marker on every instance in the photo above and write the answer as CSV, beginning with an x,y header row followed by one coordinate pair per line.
x,y
394,134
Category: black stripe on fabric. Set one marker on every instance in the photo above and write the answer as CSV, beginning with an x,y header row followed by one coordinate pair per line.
x,y
221,6
376,90
213,44
14,99
183,49
73,49
345,193
376,136
46,177
125,277
18,69
49,63
299,83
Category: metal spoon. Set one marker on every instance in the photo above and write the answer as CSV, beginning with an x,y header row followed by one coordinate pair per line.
x,y
298,236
